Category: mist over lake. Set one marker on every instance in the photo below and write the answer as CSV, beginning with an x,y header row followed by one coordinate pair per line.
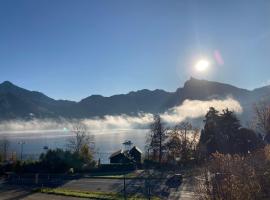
x,y
106,141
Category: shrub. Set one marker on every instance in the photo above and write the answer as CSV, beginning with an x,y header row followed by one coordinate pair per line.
x,y
117,167
237,177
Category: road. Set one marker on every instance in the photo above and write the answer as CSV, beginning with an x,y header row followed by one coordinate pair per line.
x,y
184,192
94,184
159,187
25,193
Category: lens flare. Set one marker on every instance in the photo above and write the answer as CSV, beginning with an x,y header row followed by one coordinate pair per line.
x,y
218,57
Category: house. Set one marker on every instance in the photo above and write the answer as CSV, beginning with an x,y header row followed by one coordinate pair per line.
x,y
129,156
136,154
120,157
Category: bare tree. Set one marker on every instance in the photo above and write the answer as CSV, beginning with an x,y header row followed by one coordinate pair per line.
x,y
183,129
173,145
157,137
81,139
262,117
4,146
183,140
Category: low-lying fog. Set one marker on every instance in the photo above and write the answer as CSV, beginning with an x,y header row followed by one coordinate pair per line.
x,y
109,132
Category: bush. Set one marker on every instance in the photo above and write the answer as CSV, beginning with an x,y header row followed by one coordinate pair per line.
x,y
116,167
58,161
237,177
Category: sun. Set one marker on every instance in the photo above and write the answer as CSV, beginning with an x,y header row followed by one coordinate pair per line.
x,y
202,65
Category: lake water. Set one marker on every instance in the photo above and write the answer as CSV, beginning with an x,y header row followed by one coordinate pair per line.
x,y
106,142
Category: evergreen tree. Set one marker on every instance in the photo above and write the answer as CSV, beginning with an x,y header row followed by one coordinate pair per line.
x,y
223,133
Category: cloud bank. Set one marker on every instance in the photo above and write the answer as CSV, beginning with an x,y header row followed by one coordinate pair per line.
x,y
192,109
189,109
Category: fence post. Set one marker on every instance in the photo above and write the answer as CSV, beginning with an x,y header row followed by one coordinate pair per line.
x,y
36,178
125,192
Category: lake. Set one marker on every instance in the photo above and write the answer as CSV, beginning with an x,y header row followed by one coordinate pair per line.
x,y
106,141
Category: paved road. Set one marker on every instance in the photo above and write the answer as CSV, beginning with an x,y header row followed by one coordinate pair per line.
x,y
184,192
159,187
18,193
8,192
93,184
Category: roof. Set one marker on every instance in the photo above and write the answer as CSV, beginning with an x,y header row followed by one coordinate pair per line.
x,y
116,153
127,142
126,152
136,148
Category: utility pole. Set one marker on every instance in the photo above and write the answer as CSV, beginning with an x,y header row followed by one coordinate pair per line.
x,y
5,151
21,143
125,192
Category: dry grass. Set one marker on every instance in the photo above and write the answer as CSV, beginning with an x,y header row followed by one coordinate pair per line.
x,y
90,195
235,177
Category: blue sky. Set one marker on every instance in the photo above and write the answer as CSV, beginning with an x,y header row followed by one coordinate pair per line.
x,y
72,49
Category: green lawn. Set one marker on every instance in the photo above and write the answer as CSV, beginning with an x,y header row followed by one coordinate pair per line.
x,y
90,195
117,175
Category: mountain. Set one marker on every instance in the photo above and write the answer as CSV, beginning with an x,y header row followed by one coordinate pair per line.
x,y
195,89
131,103
16,102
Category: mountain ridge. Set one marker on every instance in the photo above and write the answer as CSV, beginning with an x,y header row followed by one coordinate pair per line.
x,y
17,102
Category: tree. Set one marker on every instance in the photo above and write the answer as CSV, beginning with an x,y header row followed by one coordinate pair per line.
x,y
245,141
229,126
174,145
86,154
157,137
81,142
182,142
209,139
262,119
223,133
61,161
229,122
4,146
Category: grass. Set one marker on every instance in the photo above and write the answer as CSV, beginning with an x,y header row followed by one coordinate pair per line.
x,y
110,175
141,174
128,176
90,195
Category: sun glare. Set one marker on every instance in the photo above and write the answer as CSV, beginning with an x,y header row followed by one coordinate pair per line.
x,y
202,65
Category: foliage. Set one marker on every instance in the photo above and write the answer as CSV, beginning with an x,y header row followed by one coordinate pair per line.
x,y
117,167
182,142
223,133
171,145
61,161
237,177
86,154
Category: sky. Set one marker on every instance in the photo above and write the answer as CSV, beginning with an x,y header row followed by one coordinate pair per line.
x,y
73,49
